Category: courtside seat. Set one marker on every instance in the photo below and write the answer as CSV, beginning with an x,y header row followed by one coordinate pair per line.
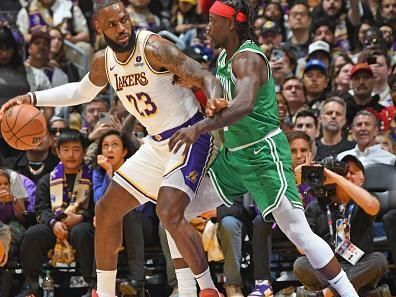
x,y
380,180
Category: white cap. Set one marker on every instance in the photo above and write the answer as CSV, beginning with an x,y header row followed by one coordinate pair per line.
x,y
319,46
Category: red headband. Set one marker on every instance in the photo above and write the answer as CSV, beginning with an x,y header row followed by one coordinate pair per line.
x,y
224,10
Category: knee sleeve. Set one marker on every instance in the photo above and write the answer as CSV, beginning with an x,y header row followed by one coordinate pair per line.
x,y
293,223
174,251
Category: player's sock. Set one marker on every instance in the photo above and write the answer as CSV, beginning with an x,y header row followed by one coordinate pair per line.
x,y
342,285
204,280
99,294
106,282
186,282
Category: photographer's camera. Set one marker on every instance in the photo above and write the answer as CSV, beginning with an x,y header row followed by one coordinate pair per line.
x,y
315,177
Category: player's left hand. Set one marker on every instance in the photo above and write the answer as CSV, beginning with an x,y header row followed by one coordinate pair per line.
x,y
185,136
214,106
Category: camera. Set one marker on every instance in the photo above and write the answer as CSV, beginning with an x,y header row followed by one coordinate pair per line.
x,y
315,177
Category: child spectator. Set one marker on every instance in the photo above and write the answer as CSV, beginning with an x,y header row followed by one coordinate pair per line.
x,y
70,183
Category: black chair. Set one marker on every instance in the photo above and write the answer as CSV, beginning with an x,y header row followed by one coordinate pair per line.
x,y
380,180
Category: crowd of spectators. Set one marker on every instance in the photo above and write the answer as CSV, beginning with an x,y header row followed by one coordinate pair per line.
x,y
334,67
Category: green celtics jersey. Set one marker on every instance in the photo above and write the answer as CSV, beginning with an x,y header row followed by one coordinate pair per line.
x,y
264,117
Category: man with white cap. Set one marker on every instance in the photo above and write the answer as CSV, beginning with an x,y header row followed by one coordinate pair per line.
x,y
318,50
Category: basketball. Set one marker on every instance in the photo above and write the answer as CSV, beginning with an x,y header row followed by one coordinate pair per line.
x,y
23,126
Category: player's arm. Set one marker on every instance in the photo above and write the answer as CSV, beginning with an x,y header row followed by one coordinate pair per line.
x,y
79,92
162,54
68,94
250,71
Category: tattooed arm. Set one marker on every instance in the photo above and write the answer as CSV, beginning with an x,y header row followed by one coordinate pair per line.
x,y
251,72
164,55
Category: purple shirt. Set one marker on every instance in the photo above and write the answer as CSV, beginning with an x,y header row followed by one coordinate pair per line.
x,y
7,212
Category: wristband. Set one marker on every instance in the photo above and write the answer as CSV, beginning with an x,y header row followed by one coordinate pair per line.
x,y
33,99
52,223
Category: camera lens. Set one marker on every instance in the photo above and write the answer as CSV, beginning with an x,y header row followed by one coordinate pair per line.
x,y
314,177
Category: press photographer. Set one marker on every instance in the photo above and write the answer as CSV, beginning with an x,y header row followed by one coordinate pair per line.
x,y
314,179
346,223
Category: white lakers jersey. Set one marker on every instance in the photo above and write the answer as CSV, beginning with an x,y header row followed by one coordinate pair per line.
x,y
148,94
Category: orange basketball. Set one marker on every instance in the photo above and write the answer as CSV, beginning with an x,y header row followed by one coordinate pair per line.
x,y
23,127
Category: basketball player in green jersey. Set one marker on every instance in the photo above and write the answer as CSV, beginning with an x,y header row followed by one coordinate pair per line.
x,y
256,155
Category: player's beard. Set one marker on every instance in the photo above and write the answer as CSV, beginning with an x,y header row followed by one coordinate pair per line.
x,y
118,48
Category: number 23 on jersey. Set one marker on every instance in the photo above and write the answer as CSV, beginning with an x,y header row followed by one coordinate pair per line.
x,y
143,104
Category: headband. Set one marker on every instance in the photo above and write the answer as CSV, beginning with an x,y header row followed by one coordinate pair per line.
x,y
224,10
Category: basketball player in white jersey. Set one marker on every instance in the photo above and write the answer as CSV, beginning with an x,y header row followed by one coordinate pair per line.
x,y
140,67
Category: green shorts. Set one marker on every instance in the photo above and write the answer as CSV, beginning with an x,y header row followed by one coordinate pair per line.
x,y
263,169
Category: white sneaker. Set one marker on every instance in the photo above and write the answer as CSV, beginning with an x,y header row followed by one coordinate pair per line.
x,y
286,276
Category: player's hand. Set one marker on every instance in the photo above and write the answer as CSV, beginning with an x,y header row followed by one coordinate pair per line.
x,y
60,230
215,105
185,136
23,99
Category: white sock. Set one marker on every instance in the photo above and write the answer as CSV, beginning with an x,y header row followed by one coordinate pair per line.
x,y
204,280
343,286
106,282
103,294
186,282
